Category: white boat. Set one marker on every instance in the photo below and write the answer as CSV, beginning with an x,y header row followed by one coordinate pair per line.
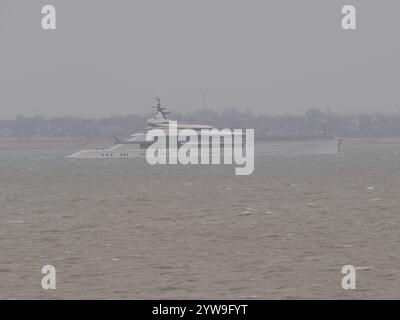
x,y
137,145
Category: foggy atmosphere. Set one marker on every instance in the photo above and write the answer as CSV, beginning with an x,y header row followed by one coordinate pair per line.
x,y
213,150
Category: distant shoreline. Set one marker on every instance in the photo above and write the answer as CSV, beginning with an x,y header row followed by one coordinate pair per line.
x,y
49,143
82,143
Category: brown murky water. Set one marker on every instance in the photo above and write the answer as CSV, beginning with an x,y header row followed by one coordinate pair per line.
x,y
124,229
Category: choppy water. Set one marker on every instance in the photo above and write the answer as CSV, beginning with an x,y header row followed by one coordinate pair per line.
x,y
124,229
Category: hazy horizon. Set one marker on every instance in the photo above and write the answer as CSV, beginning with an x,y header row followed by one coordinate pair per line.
x,y
276,57
193,112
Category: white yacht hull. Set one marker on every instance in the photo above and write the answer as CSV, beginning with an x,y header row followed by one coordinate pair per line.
x,y
282,147
118,151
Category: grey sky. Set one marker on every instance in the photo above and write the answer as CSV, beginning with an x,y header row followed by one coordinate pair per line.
x,y
111,57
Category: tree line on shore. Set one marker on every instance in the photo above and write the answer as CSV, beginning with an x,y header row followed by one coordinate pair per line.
x,y
313,123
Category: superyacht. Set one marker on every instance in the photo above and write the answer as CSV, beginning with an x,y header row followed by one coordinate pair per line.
x,y
136,145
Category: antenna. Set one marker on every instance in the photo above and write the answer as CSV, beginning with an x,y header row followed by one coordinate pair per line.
x,y
161,109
